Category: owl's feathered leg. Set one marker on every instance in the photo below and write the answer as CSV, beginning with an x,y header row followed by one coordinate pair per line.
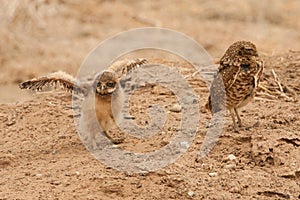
x,y
238,117
233,120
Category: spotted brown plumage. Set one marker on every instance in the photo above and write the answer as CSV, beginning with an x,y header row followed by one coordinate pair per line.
x,y
237,78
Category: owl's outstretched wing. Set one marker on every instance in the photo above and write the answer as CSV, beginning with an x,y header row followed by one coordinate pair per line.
x,y
122,67
54,80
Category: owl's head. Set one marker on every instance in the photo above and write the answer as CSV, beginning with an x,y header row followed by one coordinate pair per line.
x,y
247,49
106,83
241,48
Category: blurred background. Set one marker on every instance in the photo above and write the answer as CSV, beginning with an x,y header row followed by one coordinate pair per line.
x,y
42,36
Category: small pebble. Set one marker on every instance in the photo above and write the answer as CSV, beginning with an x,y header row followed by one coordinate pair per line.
x,y
10,122
114,146
176,108
213,174
185,144
129,117
39,176
229,166
55,182
139,185
191,193
231,157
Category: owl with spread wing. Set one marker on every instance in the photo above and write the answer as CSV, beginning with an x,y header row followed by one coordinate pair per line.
x,y
105,86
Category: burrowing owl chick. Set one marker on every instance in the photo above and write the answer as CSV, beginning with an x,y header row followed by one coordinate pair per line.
x,y
239,72
107,88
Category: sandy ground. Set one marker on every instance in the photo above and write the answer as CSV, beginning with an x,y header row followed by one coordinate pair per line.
x,y
42,156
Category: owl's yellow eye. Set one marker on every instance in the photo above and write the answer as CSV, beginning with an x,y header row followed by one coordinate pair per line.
x,y
110,84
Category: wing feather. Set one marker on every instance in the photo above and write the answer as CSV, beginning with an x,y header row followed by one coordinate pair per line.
x,y
124,66
229,75
224,79
55,80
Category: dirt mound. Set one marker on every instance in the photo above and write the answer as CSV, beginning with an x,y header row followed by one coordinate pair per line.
x,y
42,153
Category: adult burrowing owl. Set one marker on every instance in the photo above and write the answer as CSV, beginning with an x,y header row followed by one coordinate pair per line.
x,y
106,85
239,72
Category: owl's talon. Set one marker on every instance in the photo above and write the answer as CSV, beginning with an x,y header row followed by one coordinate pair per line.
x,y
118,140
